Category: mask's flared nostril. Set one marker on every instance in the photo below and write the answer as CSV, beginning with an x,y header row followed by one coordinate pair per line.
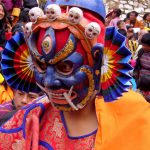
x,y
46,83
55,83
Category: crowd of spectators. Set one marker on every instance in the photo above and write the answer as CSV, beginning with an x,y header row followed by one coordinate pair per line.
x,y
137,33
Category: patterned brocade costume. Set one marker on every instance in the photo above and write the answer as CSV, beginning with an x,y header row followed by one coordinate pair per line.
x,y
118,128
26,124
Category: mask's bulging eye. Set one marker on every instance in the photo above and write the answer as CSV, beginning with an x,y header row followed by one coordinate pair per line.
x,y
41,66
65,67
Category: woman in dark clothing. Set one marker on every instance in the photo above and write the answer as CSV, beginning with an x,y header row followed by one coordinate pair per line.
x,y
5,26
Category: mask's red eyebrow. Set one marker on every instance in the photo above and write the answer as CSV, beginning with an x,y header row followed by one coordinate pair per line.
x,y
39,40
61,36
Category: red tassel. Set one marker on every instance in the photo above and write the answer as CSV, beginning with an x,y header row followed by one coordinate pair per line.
x,y
32,133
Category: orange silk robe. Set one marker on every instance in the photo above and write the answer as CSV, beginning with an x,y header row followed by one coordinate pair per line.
x,y
123,124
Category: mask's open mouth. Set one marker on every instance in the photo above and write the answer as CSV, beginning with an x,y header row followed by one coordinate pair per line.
x,y
58,96
61,96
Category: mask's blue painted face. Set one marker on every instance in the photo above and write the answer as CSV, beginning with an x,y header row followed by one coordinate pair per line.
x,y
64,80
67,63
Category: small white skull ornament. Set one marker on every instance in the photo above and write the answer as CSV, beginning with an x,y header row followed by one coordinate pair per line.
x,y
53,11
35,13
28,29
92,30
75,15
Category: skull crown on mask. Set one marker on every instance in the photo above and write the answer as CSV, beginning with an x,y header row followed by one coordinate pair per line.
x,y
53,11
92,30
35,13
75,15
28,28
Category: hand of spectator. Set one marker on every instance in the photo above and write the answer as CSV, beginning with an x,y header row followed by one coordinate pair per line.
x,y
8,28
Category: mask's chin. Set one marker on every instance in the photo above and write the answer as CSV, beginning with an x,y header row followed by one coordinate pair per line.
x,y
62,97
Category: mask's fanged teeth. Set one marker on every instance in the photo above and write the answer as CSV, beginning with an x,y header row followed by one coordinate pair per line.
x,y
48,95
69,101
80,106
50,99
70,91
41,87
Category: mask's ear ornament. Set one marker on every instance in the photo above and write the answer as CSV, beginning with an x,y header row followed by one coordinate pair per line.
x,y
115,66
92,30
53,11
75,15
97,53
17,65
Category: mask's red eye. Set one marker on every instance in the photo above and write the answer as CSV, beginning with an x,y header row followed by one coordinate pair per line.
x,y
41,66
65,67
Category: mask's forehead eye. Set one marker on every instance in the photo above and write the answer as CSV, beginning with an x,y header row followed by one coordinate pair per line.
x,y
48,46
47,43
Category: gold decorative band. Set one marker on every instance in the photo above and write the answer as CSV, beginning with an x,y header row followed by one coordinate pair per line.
x,y
91,85
69,47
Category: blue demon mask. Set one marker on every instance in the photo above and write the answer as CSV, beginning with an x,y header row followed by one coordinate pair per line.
x,y
67,55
